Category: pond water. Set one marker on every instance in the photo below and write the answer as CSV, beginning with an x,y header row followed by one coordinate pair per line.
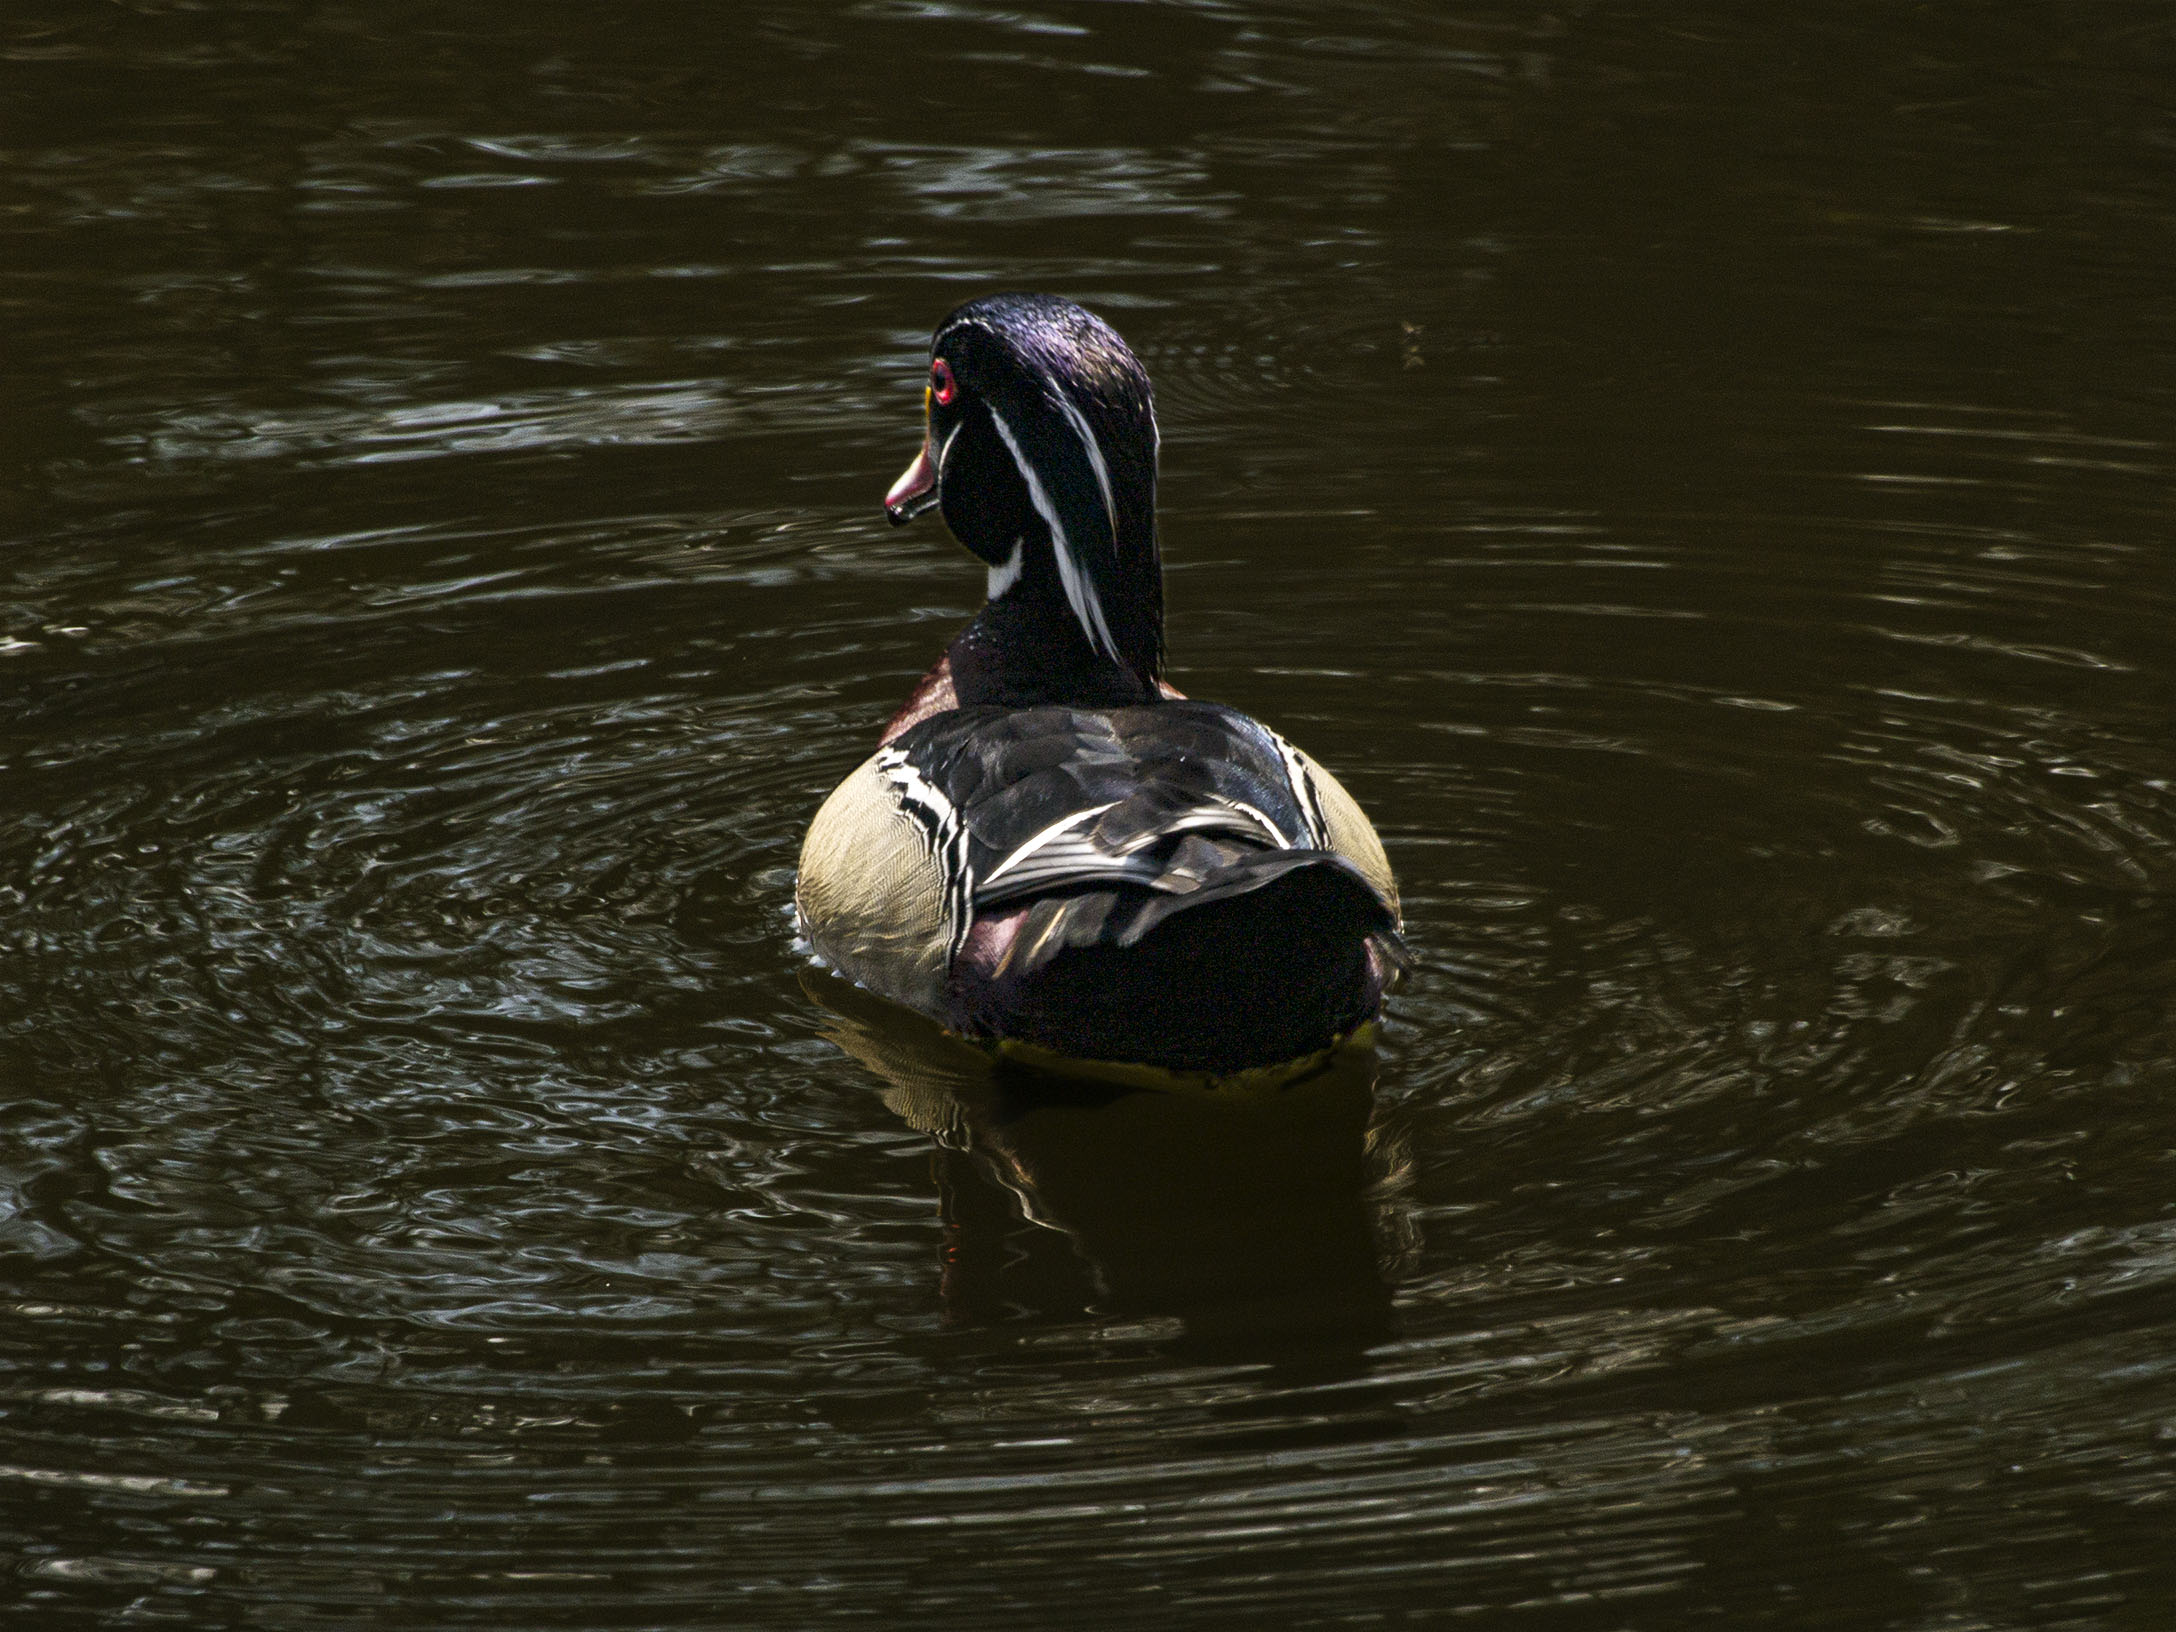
x,y
1701,476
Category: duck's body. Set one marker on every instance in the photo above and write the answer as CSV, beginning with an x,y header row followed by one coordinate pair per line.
x,y
1050,846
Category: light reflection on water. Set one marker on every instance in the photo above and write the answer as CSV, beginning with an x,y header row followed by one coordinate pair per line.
x,y
1700,487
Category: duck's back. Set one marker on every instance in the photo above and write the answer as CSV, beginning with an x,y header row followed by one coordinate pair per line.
x,y
1171,883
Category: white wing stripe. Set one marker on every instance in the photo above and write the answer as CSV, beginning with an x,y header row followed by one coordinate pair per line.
x,y
1060,855
1062,825
1268,826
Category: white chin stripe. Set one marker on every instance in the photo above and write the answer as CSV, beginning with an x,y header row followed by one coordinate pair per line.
x,y
1004,577
1080,591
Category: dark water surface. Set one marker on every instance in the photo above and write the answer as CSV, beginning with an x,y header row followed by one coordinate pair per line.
x,y
1701,475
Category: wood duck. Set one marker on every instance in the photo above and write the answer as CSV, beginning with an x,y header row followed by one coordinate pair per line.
x,y
1052,850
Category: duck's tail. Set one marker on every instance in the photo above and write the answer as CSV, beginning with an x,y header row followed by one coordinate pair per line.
x,y
1270,955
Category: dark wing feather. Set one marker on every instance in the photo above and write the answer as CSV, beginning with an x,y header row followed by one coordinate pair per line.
x,y
1152,884
1057,799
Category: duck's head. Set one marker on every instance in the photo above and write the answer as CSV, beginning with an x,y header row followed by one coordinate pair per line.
x,y
1040,448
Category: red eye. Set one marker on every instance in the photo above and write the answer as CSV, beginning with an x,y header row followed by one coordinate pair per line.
x,y
941,384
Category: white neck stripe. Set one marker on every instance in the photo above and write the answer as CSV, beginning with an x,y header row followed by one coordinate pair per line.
x,y
1095,461
1080,592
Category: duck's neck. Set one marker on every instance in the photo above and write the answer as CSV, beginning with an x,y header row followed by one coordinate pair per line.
x,y
1035,643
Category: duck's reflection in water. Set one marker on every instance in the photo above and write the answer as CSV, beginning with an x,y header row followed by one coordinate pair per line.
x,y
1246,1218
